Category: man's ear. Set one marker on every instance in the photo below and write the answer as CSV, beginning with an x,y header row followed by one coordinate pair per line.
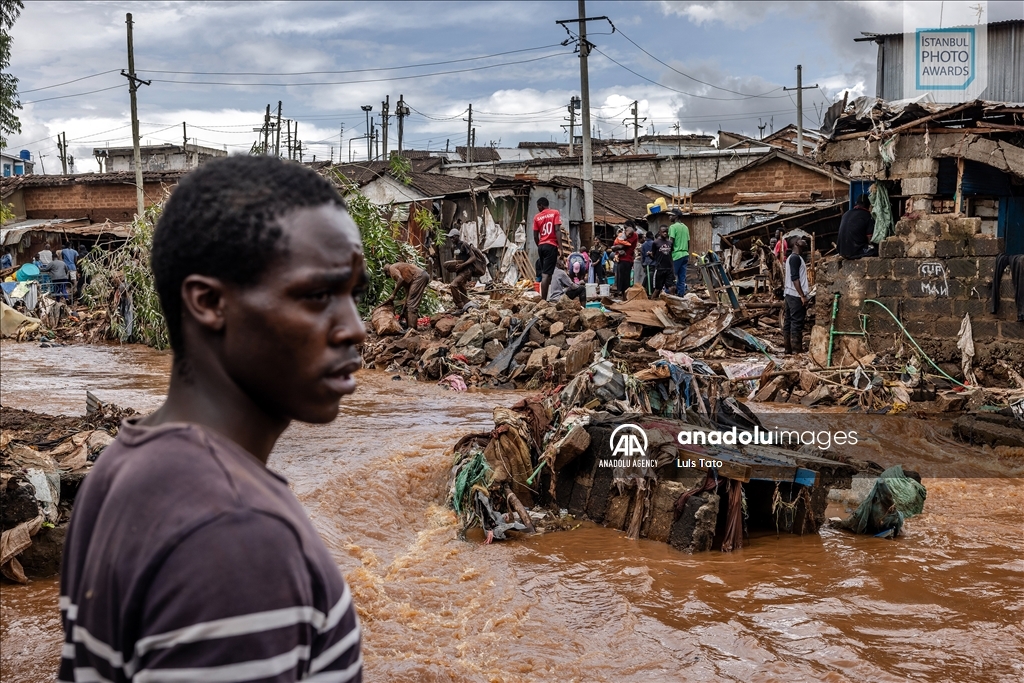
x,y
203,298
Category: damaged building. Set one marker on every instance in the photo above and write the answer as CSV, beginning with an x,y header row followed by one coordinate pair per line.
x,y
953,175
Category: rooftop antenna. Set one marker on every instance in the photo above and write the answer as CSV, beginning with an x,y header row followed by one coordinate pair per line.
x,y
760,128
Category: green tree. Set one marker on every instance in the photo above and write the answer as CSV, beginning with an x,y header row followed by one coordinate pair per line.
x,y
10,10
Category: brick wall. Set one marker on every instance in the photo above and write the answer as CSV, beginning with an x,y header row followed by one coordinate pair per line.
x,y
933,271
98,201
777,175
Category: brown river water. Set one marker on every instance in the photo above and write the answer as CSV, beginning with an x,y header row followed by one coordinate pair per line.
x,y
944,602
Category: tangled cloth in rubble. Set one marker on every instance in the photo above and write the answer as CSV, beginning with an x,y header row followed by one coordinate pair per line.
x,y
508,453
894,498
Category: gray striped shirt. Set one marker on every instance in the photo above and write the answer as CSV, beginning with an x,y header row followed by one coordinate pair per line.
x,y
188,560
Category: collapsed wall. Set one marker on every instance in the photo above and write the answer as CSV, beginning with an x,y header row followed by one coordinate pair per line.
x,y
933,271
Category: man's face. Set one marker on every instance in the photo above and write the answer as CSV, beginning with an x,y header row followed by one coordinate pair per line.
x,y
663,232
290,340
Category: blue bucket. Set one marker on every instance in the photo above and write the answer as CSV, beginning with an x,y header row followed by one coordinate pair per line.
x,y
27,272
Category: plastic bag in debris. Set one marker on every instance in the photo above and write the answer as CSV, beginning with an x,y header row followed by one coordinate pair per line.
x,y
454,382
894,498
609,385
881,210
965,342
47,486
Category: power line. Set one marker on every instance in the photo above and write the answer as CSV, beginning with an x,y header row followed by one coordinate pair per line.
x,y
347,71
57,85
77,94
681,92
371,80
681,73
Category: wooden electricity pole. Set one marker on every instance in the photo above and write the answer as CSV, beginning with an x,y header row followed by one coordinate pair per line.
x,y
800,87
133,86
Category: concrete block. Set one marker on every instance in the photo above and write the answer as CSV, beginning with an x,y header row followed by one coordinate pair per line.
x,y
927,228
948,328
966,227
985,329
950,248
920,186
927,308
921,249
928,288
989,227
878,268
1010,329
905,226
974,307
892,247
985,209
986,267
922,166
905,267
853,268
984,245
867,168
891,288
920,328
962,267
920,204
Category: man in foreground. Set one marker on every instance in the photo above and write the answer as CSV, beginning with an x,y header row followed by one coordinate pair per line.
x,y
546,225
679,233
856,228
186,558
796,292
413,280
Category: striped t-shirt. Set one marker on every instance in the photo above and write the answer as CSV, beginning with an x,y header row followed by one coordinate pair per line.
x,y
188,560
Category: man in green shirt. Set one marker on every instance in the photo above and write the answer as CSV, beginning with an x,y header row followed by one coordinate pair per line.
x,y
680,236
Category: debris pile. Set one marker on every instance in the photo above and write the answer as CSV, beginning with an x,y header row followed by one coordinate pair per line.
x,y
556,458
510,338
43,461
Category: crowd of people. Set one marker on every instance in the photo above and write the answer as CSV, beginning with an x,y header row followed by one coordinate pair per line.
x,y
57,270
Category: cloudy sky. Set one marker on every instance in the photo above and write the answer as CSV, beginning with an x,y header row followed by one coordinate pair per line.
x,y
711,66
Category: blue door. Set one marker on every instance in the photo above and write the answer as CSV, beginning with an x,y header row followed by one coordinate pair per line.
x,y
1011,223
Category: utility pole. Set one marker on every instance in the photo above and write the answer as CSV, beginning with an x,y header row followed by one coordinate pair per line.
x,y
133,86
385,109
587,229
62,148
288,140
341,141
369,132
800,87
266,131
635,111
184,143
469,136
298,143
574,104
277,131
402,111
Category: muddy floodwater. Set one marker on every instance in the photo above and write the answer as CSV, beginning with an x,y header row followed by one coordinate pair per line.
x,y
945,602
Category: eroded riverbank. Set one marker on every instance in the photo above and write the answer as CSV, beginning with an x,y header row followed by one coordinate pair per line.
x,y
941,603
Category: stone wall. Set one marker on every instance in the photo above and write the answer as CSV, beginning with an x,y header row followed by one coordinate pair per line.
x,y
693,170
933,271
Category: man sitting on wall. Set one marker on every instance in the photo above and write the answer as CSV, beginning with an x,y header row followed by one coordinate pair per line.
x,y
855,230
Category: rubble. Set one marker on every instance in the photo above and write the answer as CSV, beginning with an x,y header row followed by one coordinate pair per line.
x,y
43,461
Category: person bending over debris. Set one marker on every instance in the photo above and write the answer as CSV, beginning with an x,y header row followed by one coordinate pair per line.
x,y
413,280
186,558
546,225
469,263
796,292
855,230
562,283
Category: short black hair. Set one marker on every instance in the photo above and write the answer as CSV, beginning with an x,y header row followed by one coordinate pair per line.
x,y
542,202
864,200
221,220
